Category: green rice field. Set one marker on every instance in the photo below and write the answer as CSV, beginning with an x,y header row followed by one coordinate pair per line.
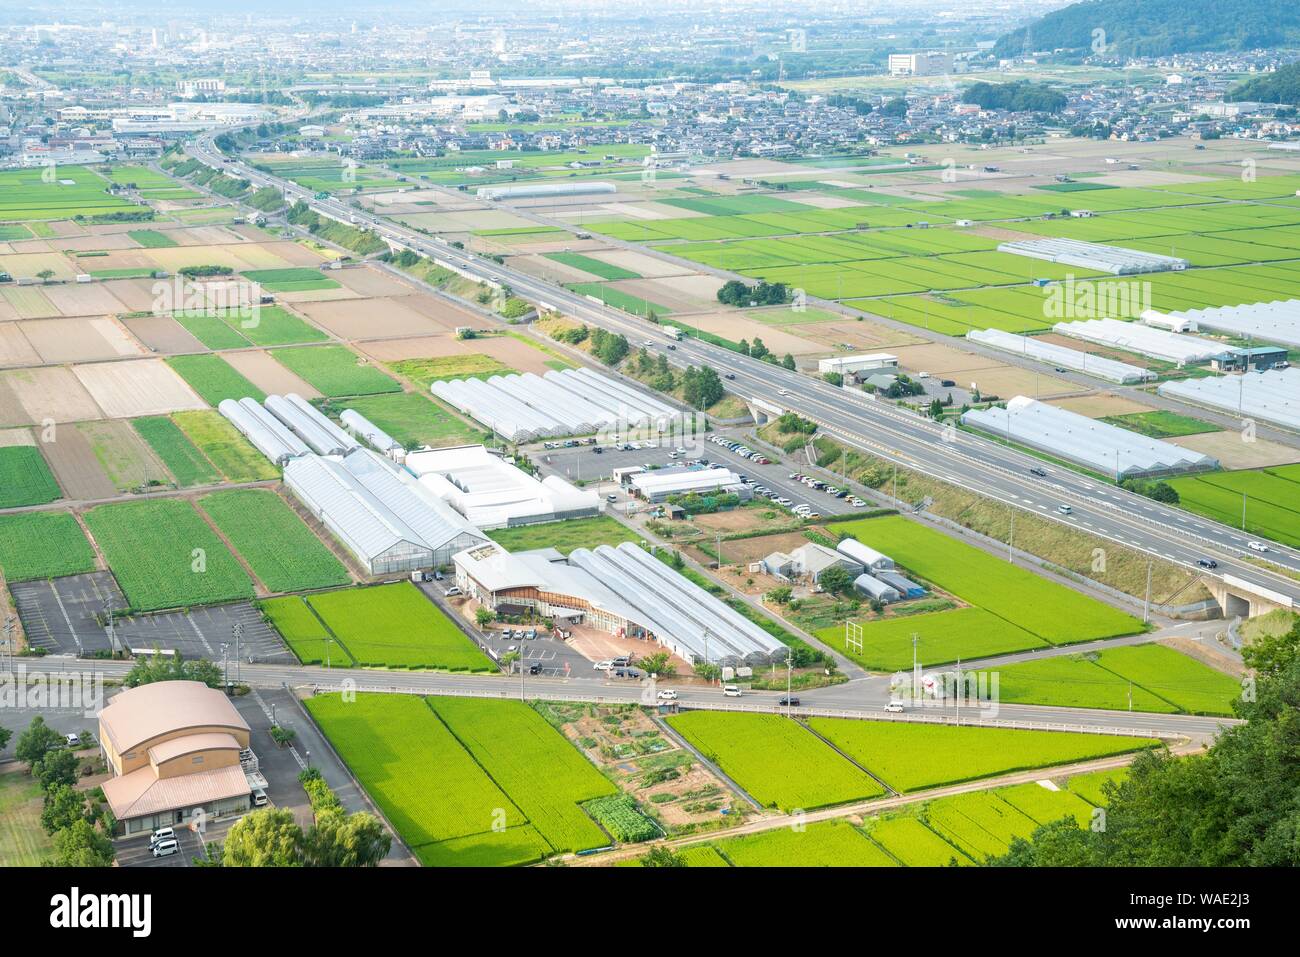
x,y
214,379
25,479
293,279
223,446
413,419
43,545
1269,499
187,464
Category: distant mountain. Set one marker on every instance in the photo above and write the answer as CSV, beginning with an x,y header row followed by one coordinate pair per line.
x,y
1159,27
1280,86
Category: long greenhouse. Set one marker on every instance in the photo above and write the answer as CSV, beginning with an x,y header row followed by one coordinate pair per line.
x,y
1091,443
1143,339
1277,322
1268,396
1065,358
1116,260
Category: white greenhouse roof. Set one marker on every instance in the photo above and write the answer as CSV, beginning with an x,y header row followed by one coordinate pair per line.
x,y
1067,435
1074,252
436,522
368,431
544,189
1061,356
1143,339
1272,396
668,481
1277,321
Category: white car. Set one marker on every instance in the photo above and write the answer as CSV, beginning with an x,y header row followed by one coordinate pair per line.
x,y
602,665
731,691
894,707
668,694
1257,546
783,392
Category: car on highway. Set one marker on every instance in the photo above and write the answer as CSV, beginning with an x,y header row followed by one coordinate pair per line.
x,y
1041,473
1257,546
668,694
783,392
788,702
729,375
1207,563
894,707
731,691
1064,509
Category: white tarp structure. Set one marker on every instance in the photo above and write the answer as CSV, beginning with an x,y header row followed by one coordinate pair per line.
x,y
527,407
543,189
492,493
370,433
1075,252
1277,322
266,433
1062,356
1272,396
303,419
1066,435
1143,339
661,484
865,555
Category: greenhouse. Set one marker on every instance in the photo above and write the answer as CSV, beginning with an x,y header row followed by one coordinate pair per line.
x,y
1142,339
1062,356
1268,396
266,433
370,433
1115,260
1277,322
495,193
1094,444
309,425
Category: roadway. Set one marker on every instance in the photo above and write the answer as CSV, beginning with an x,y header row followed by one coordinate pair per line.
x,y
972,462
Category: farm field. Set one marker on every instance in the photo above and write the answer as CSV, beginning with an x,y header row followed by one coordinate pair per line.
x,y
791,769
186,463
911,757
214,379
1270,498
25,479
335,370
414,420
303,632
1056,614
164,555
43,545
945,636
283,552
224,447
395,626
78,191
297,279
424,372
1160,424
821,844
1046,806
636,305
594,266
914,844
980,824
564,536
23,842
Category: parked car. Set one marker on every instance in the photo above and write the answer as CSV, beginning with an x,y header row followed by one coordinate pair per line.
x,y
602,665
166,848
535,668
611,497
73,740
453,591
259,798
162,834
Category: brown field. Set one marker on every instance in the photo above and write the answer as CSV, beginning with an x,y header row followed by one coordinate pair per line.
x,y
261,369
1233,453
84,299
369,318
23,265
11,410
28,302
686,293
735,326
52,393
1078,345
135,294
371,283
133,258
855,335
518,355
447,314
15,349
126,460
745,550
179,257
79,340
1009,381
9,438
938,359
64,228
137,387
318,295
163,334
421,347
544,268
95,243
649,266
1100,405
72,460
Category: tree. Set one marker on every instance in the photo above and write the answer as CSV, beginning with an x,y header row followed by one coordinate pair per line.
x,y
834,378
36,741
338,839
781,595
152,668
5,735
82,845
707,670
45,275
484,616
662,857
836,580
788,362
757,350
743,347
64,806
660,663
56,768
265,838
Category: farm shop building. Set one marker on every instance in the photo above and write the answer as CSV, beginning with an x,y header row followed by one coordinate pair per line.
x,y
174,749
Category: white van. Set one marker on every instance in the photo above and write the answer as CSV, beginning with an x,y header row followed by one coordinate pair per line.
x,y
160,835
74,740
259,798
731,691
166,848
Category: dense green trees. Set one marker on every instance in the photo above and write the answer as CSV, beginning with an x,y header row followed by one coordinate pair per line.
x,y
1018,97
737,293
148,669
1280,86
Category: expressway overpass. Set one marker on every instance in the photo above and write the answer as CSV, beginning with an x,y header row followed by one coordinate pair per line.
x,y
971,462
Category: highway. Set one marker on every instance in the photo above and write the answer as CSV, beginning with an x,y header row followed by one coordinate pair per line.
x,y
975,463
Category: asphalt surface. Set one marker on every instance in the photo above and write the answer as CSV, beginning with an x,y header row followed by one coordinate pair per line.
x,y
976,463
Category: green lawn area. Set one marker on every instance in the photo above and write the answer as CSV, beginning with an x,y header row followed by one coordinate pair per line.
x,y
911,757
187,464
779,762
424,372
293,279
564,536
415,420
224,447
164,555
336,370
1160,424
1270,498
821,844
214,379
945,636
279,547
395,626
1053,612
25,479
23,842
43,545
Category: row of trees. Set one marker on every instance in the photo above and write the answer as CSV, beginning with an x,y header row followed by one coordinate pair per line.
x,y
737,293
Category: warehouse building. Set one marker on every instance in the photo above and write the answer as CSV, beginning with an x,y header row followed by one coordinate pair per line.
x,y
659,485
534,190
1143,339
1065,358
621,590
1112,259
1277,321
1088,442
852,365
1272,396
492,493
174,749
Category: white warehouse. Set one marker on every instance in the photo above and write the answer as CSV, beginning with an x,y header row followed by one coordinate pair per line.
x,y
661,484
1277,322
1093,444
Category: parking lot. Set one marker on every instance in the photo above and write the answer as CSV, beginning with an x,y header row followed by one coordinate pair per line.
x,y
67,616
552,656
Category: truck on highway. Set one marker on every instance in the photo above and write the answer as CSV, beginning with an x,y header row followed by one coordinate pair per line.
x,y
674,332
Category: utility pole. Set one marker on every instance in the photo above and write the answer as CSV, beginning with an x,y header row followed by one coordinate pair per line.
x,y
718,544
1243,511
1146,604
238,630
9,641
916,670
1011,538
960,691
112,636
225,669
789,683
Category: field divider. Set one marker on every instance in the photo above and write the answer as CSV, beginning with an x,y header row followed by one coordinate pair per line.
x,y
333,636
889,789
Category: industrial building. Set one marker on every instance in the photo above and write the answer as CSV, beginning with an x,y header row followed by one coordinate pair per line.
x,y
524,408
621,590
851,365
1091,443
530,191
380,512
175,749
926,63
1277,321
1112,259
490,492
1267,396
660,485
1143,339
1061,356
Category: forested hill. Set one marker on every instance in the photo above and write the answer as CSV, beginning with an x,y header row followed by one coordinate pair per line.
x,y
1281,86
1159,27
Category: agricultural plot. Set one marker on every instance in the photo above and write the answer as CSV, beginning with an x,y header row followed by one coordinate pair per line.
x,y
914,844
43,545
152,239
911,757
304,633
272,326
395,626
545,776
1269,498
564,536
214,379
945,636
1053,612
25,196
595,267
336,370
224,447
1093,785
980,824
294,279
186,463
25,479
164,555
1160,424
415,420
822,844
1046,806
282,551
424,372
211,331
636,305
1069,683
776,760
1184,682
